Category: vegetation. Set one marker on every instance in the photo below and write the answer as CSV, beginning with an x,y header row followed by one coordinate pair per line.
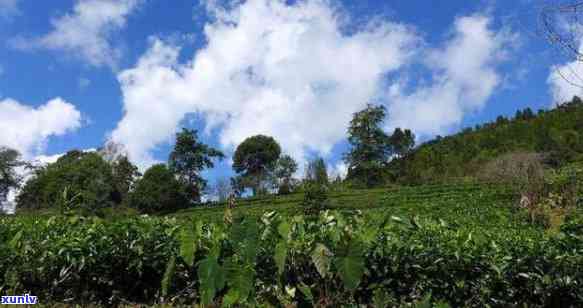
x,y
370,149
331,259
86,176
158,191
9,179
555,133
254,160
488,217
284,172
189,158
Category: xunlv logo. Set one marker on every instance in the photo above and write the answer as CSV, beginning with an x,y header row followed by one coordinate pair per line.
x,y
18,300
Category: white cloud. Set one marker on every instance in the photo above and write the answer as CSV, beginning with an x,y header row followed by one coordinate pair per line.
x,y
464,77
87,31
566,80
339,169
8,8
27,129
290,71
283,70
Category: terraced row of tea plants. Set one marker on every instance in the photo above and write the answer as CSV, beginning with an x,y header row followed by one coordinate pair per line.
x,y
465,203
333,259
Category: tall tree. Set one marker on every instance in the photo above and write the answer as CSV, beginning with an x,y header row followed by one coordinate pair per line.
x,y
9,178
255,158
189,158
370,149
316,172
284,171
124,175
402,141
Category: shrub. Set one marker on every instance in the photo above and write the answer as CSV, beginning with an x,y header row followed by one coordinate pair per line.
x,y
315,197
87,176
158,191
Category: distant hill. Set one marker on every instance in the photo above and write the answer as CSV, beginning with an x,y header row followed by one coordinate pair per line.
x,y
558,133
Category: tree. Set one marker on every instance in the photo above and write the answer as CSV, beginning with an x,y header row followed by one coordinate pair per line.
x,y
316,172
86,176
255,158
158,191
9,178
124,175
189,158
284,170
370,149
402,141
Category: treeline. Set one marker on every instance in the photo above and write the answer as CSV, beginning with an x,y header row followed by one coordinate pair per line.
x,y
555,134
90,181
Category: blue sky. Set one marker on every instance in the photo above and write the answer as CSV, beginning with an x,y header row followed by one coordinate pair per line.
x,y
74,74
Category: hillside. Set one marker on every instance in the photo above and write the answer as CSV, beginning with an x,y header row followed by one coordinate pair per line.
x,y
470,203
556,132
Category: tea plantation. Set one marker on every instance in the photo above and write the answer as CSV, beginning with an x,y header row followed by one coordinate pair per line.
x,y
426,246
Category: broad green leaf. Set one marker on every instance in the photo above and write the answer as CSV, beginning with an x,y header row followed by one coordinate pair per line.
x,y
284,229
240,280
321,257
351,266
168,274
211,277
187,245
280,255
15,240
306,290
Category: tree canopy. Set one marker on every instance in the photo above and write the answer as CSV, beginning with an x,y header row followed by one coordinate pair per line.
x,y
158,191
85,176
188,158
9,161
255,157
369,147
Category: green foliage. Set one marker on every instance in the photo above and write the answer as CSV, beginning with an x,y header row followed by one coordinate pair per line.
x,y
334,259
370,148
402,141
212,278
350,263
9,161
168,276
124,176
188,158
316,172
284,170
187,244
315,197
85,175
158,191
254,159
554,133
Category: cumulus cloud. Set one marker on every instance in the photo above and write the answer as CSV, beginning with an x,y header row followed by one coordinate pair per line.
x,y
27,129
464,76
87,31
566,80
294,72
268,68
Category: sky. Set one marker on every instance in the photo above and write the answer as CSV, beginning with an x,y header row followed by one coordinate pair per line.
x,y
75,74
